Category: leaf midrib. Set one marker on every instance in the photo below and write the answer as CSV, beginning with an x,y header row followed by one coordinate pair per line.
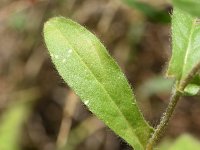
x,y
103,89
188,46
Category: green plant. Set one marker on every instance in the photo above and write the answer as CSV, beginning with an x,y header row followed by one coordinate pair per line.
x,y
83,62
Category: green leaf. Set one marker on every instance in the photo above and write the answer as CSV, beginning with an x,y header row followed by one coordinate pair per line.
x,y
83,62
185,43
152,13
191,90
185,142
190,6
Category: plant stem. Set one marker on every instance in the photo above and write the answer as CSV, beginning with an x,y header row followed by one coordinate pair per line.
x,y
189,77
165,119
177,93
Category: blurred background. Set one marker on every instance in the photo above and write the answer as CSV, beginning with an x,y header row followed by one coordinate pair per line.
x,y
38,111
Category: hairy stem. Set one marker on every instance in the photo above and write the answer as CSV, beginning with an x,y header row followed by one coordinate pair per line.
x,y
165,119
177,93
189,77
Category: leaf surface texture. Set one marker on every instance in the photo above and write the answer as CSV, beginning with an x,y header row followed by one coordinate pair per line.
x,y
185,44
85,65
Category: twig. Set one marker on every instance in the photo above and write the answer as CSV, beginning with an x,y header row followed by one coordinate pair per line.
x,y
69,109
85,129
108,15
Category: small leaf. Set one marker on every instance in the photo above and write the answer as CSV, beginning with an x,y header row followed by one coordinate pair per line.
x,y
190,6
83,62
191,90
185,43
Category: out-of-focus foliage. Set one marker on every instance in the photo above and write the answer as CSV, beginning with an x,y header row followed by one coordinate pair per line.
x,y
18,21
184,142
164,144
152,13
11,125
155,85
82,132
84,63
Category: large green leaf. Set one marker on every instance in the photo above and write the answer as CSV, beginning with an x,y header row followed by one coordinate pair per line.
x,y
190,6
83,62
185,43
